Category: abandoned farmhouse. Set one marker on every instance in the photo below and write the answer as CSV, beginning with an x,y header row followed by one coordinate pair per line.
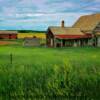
x,y
86,31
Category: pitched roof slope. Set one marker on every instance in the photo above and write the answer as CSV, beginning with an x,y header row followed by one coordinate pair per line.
x,y
88,22
8,32
65,31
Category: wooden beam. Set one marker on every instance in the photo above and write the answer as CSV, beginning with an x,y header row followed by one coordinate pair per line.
x,y
61,43
55,44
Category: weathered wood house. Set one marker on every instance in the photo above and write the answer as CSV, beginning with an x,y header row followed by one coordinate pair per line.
x,y
66,36
8,34
86,31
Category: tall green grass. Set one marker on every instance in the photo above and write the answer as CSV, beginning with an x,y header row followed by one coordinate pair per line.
x,y
72,73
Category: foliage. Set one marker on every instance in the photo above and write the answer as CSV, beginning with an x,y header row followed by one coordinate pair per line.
x,y
30,31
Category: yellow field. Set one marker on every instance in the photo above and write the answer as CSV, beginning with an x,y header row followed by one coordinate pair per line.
x,y
31,35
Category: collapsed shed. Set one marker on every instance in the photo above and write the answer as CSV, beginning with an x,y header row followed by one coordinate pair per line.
x,y
31,41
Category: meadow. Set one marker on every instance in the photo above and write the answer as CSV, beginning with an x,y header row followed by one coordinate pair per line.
x,y
27,73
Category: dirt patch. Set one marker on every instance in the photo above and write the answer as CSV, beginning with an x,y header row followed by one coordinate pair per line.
x,y
7,42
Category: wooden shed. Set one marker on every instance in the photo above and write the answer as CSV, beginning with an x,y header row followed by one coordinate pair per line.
x,y
66,36
8,34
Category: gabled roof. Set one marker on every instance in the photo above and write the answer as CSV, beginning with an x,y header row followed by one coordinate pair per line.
x,y
8,32
88,22
65,31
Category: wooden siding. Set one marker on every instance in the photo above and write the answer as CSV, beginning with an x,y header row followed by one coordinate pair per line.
x,y
98,42
8,36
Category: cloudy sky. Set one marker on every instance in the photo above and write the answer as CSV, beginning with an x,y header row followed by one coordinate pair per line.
x,y
39,14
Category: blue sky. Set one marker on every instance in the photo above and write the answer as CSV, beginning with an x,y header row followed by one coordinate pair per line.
x,y
39,14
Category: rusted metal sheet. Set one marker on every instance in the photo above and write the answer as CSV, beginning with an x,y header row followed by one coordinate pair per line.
x,y
73,36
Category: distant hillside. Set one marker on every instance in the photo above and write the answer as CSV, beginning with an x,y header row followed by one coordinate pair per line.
x,y
30,31
27,31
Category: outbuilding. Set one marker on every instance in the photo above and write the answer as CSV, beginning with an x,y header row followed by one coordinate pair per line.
x,y
8,34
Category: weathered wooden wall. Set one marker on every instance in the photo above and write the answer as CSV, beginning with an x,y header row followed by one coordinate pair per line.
x,y
98,41
8,36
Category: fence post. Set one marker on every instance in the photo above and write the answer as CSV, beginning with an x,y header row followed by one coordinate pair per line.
x,y
11,58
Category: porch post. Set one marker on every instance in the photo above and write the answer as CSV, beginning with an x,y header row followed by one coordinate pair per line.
x,y
75,45
61,42
51,42
96,41
55,42
79,43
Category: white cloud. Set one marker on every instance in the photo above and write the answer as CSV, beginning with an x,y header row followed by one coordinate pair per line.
x,y
98,1
42,18
44,13
94,8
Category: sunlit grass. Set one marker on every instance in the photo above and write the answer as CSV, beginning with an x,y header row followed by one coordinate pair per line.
x,y
49,72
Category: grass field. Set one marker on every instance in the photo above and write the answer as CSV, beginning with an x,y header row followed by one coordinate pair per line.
x,y
49,73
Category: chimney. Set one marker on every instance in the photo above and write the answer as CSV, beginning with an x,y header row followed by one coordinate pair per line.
x,y
62,24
